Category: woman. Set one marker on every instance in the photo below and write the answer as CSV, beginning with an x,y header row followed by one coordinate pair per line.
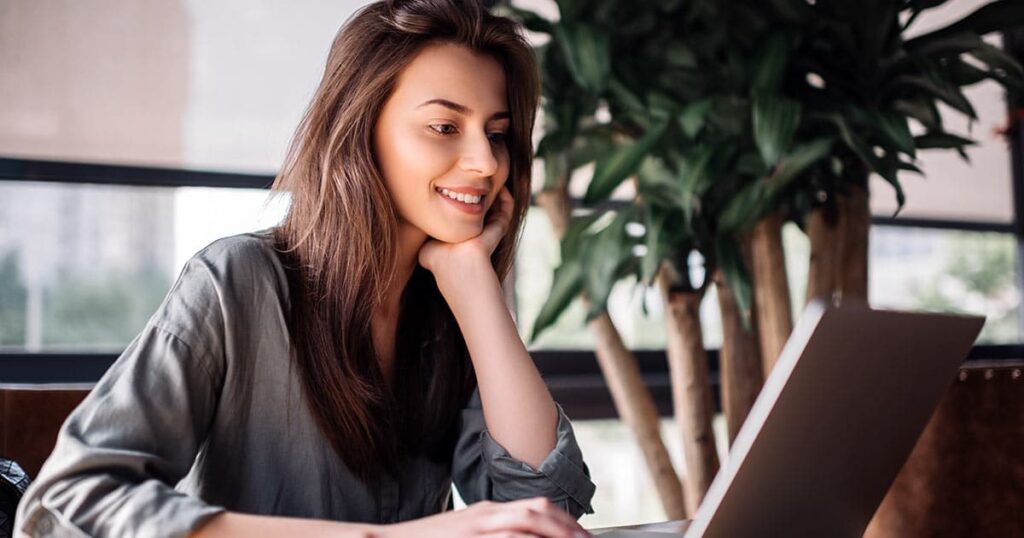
x,y
333,376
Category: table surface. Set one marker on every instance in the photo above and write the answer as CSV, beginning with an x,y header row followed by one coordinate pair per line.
x,y
676,526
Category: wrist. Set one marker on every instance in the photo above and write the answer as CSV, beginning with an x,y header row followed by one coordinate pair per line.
x,y
469,280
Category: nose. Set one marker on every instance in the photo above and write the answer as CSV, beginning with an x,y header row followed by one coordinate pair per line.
x,y
478,156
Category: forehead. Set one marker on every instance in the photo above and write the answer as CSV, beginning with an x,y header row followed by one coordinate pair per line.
x,y
455,73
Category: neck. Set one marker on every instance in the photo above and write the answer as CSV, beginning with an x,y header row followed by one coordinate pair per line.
x,y
410,239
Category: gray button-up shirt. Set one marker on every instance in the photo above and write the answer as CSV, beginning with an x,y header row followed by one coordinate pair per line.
x,y
204,412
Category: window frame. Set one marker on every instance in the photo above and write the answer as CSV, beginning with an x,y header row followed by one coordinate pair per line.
x,y
573,376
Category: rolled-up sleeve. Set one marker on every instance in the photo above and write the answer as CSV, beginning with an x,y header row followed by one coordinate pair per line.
x,y
483,470
120,453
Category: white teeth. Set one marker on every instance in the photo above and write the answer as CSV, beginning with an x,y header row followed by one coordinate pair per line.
x,y
464,198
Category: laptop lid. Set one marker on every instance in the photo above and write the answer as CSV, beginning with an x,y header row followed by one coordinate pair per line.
x,y
840,412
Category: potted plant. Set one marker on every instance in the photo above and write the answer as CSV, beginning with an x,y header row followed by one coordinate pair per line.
x,y
729,120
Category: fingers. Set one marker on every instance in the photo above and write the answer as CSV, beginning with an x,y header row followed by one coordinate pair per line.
x,y
544,505
502,207
496,225
537,516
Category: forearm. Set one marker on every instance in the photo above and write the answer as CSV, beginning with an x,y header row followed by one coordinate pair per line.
x,y
237,524
518,409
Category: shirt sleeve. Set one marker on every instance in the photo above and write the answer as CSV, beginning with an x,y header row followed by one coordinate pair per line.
x,y
483,470
122,450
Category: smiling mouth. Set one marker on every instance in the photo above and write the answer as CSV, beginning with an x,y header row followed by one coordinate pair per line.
x,y
468,199
472,205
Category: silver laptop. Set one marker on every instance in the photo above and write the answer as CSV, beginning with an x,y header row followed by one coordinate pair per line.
x,y
840,412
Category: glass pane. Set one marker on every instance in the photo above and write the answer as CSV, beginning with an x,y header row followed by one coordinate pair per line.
x,y
212,85
625,493
83,267
948,271
537,257
910,268
952,189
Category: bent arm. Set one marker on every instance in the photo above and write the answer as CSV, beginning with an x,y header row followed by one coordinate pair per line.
x,y
514,441
235,524
519,411
122,450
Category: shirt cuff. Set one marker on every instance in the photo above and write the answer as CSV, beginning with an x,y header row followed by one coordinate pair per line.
x,y
563,476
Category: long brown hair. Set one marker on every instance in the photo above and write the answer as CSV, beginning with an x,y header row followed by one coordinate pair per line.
x,y
339,239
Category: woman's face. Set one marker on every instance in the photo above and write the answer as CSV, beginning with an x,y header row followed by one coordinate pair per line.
x,y
441,138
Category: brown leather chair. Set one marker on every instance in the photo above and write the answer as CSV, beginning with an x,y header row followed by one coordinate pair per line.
x,y
31,416
965,476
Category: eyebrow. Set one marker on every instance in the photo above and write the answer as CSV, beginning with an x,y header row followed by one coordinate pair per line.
x,y
461,109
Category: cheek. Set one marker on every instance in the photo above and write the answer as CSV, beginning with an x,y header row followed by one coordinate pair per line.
x,y
409,164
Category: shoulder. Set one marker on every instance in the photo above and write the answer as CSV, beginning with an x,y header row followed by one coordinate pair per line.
x,y
231,277
251,249
241,263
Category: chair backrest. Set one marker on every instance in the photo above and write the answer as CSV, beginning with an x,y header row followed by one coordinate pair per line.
x,y
964,476
31,416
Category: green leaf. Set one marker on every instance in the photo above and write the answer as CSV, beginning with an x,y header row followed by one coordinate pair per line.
x,y
570,10
775,120
605,254
769,62
612,170
796,162
922,110
896,131
561,123
695,176
997,59
656,241
661,105
567,280
691,119
590,145
626,97
730,260
909,167
566,284
962,73
950,95
695,179
866,154
942,140
587,52
658,184
744,208
575,235
679,55
947,45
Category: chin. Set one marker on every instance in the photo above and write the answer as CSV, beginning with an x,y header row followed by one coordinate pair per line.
x,y
453,236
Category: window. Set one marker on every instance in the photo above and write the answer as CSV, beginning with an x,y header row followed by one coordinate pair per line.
x,y
83,267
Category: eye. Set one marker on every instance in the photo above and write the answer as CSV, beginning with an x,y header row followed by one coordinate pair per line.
x,y
434,126
498,137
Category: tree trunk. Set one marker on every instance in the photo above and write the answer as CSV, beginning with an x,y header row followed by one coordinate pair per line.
x,y
825,236
632,400
691,388
636,407
739,361
774,311
856,223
